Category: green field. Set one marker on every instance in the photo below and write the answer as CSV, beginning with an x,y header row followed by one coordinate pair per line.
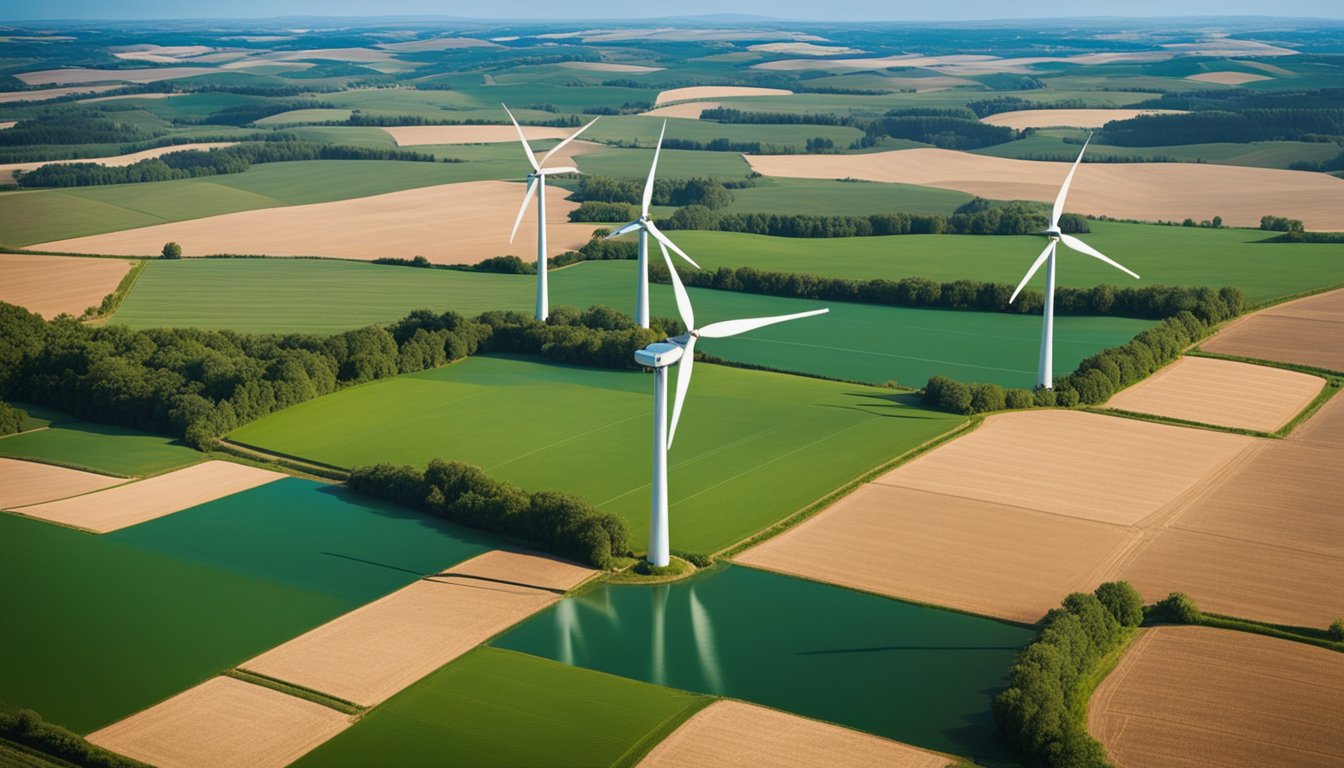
x,y
827,197
101,448
113,623
861,342
752,447
671,163
1259,154
499,708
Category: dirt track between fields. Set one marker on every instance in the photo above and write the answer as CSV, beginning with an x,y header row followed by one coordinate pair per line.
x,y
1196,697
50,285
1143,191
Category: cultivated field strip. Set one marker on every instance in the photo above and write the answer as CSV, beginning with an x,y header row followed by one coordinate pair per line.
x,y
734,734
137,502
697,92
975,556
1143,191
375,651
223,723
1308,331
1072,118
28,482
400,224
51,285
1223,393
1196,697
1325,427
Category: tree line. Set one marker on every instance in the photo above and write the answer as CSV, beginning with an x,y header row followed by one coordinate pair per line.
x,y
560,523
997,104
27,729
388,121
71,127
690,190
1258,124
952,128
199,385
194,163
977,217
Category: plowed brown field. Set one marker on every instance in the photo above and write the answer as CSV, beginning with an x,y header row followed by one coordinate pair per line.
x,y
1076,118
1222,392
1195,697
733,734
1308,331
224,723
1325,427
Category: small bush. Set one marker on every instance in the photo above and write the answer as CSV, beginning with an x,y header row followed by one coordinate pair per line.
x,y
11,418
1019,398
1336,631
171,251
1176,608
1123,601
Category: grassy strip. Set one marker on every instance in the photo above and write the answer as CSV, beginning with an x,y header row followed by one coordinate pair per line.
x,y
1175,422
78,466
1331,388
1293,297
113,300
16,755
297,691
1088,683
1308,635
826,501
281,462
653,738
1314,371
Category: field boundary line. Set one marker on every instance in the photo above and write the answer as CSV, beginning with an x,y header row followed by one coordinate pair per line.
x,y
662,731
297,691
1172,421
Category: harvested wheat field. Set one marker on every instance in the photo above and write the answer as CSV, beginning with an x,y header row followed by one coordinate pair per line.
x,y
369,654
733,733
223,723
7,124
1222,392
28,482
1071,118
7,97
606,66
419,135
1308,331
1083,465
80,75
1325,427
689,110
1144,191
50,285
403,224
715,92
1196,697
1227,78
134,503
970,555
7,170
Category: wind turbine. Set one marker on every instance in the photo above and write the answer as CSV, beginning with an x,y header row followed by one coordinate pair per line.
x,y
1045,373
659,356
646,227
537,180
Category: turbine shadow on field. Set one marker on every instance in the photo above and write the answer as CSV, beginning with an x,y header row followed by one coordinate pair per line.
x,y
448,577
378,564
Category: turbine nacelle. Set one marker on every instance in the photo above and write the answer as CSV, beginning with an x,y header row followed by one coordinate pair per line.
x,y
1053,233
660,354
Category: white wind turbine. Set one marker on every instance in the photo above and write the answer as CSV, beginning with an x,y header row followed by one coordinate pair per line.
x,y
646,227
659,356
1045,373
537,180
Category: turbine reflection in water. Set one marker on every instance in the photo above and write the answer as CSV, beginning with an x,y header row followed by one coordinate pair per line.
x,y
704,645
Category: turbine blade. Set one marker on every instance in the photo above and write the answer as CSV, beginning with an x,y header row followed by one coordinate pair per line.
x,y
572,137
683,383
625,230
1064,190
734,327
658,233
527,198
648,183
1081,247
1050,246
683,301
531,158
558,170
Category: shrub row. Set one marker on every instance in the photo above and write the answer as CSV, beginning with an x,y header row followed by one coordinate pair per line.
x,y
26,727
198,384
565,525
1049,680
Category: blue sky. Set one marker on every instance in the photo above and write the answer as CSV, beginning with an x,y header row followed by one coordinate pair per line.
x,y
550,9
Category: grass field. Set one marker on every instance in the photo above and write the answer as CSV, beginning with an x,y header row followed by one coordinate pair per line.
x,y
499,708
98,447
840,198
175,600
757,444
671,163
856,341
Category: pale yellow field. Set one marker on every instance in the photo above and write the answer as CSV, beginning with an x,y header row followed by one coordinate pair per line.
x,y
137,502
1222,392
419,135
1072,463
974,556
447,224
734,734
7,124
7,169
81,75
371,653
607,66
7,97
687,109
1196,697
1308,331
1072,118
28,482
700,92
223,723
1227,78
1144,191
51,285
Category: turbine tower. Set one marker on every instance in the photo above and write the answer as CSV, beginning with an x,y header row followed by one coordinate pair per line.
x,y
1045,371
660,356
646,227
537,180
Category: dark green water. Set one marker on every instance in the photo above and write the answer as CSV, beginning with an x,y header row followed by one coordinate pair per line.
x,y
919,675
